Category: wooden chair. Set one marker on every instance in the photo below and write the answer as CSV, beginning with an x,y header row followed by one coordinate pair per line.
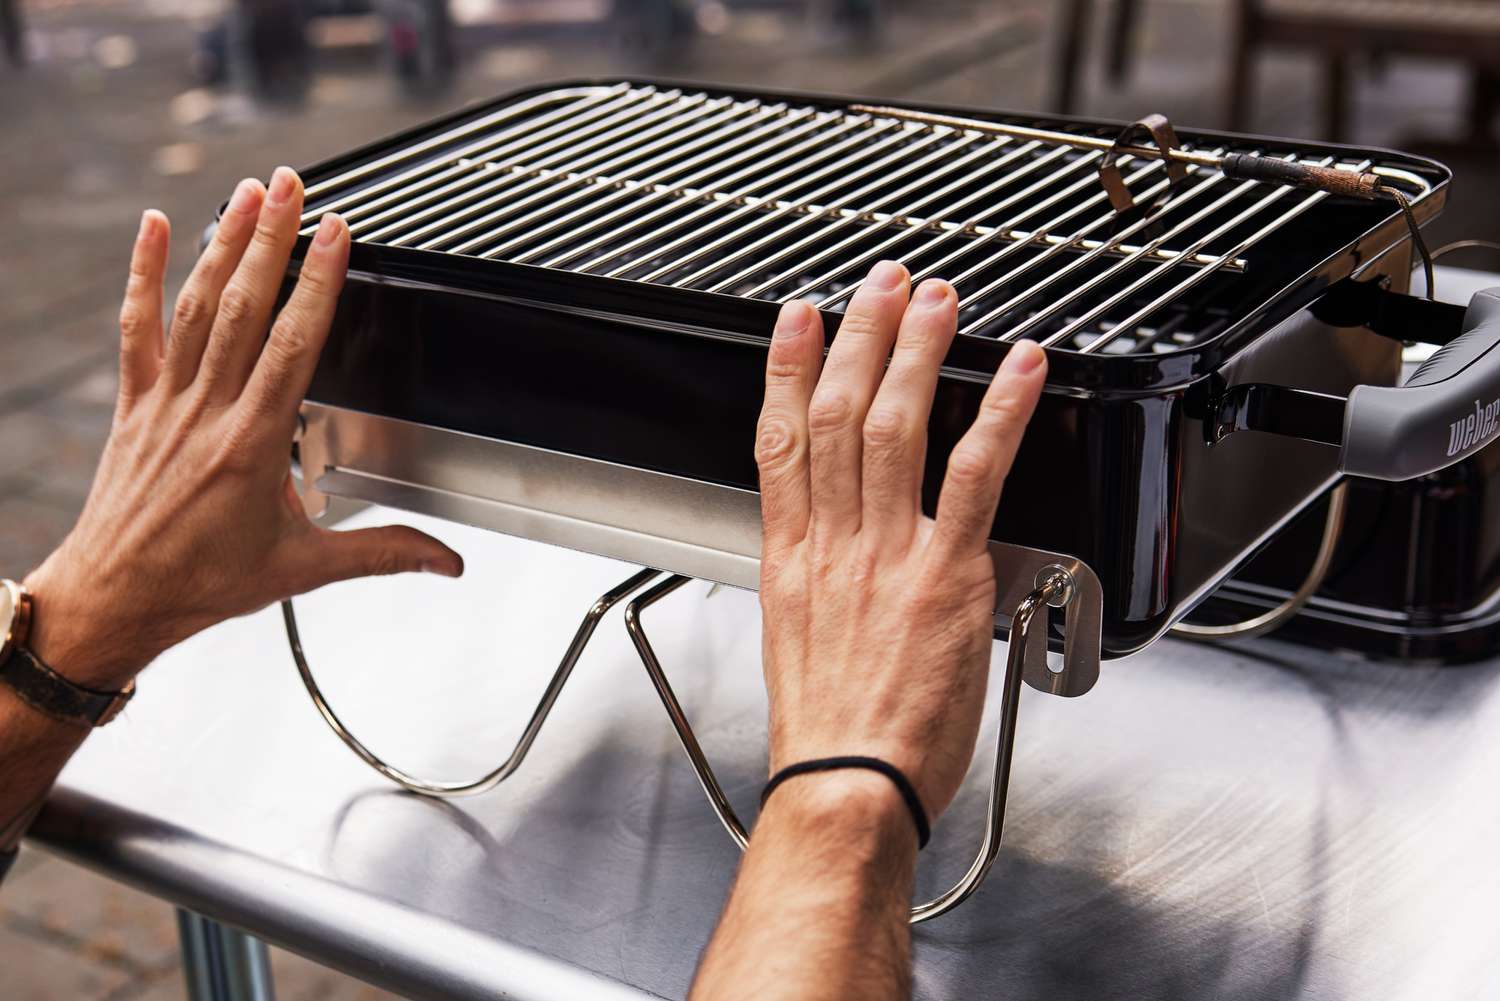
x,y
1466,30
1337,30
1077,15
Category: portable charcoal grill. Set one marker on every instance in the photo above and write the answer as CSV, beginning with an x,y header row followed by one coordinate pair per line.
x,y
559,303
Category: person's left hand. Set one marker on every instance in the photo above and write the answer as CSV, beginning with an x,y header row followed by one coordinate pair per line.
x,y
192,517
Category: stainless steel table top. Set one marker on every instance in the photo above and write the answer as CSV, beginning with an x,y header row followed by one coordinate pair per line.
x,y
1256,823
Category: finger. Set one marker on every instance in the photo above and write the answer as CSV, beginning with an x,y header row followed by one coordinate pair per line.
x,y
895,430
290,355
781,434
245,307
374,552
843,394
141,312
982,458
198,302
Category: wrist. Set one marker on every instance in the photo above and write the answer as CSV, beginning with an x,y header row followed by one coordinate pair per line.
x,y
79,632
850,809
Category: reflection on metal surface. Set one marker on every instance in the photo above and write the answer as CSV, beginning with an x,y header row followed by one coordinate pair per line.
x,y
1057,587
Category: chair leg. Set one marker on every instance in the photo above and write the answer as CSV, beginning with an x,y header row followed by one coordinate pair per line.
x,y
1336,97
1484,104
1076,18
12,32
1237,98
1121,34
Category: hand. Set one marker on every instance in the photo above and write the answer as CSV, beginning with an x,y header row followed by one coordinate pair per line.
x,y
192,517
877,619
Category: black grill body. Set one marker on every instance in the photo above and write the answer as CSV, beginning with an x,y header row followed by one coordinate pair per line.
x,y
1119,467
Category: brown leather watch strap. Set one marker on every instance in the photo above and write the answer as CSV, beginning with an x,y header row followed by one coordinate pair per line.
x,y
50,693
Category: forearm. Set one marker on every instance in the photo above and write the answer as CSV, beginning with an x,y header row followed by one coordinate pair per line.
x,y
819,909
34,746
33,749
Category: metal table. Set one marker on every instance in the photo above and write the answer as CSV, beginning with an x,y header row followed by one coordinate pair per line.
x,y
1262,822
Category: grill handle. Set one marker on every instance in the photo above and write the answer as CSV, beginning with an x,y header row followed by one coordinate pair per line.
x,y
1448,410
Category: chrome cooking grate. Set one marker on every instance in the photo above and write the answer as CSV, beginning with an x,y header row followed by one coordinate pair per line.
x,y
778,200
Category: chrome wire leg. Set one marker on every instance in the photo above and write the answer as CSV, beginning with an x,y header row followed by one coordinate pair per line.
x,y
706,777
554,688
1274,618
222,964
1054,589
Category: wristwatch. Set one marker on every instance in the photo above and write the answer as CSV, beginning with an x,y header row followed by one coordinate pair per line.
x,y
37,684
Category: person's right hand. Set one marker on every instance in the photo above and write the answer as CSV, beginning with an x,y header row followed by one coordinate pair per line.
x,y
877,619
192,517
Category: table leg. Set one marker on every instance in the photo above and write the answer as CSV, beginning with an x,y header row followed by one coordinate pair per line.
x,y
222,964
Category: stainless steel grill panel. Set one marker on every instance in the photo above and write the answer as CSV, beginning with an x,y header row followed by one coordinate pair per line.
x,y
778,200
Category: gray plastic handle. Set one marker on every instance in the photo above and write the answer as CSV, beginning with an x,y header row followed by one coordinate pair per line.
x,y
1448,410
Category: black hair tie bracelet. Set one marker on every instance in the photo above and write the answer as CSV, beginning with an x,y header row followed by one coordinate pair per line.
x,y
890,771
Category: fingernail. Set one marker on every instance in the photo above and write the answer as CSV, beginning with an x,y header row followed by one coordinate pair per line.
x,y
793,319
243,199
932,292
1024,358
148,223
282,183
328,230
443,569
887,276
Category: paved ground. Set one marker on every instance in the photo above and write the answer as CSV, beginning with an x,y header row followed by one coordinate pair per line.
x,y
108,120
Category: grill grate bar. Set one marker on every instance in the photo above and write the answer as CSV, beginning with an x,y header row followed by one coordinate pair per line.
x,y
811,220
746,204
905,222
1171,295
1099,307
889,160
1093,249
760,155
560,119
475,168
757,172
574,185
717,157
985,234
410,204
1084,183
630,143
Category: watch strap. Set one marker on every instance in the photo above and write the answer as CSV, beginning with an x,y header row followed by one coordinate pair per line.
x,y
50,693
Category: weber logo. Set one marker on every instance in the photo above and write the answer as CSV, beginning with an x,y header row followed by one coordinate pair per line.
x,y
1474,428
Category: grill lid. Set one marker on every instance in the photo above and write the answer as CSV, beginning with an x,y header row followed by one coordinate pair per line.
x,y
773,197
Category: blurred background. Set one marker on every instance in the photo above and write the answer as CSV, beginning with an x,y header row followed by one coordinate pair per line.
x,y
110,106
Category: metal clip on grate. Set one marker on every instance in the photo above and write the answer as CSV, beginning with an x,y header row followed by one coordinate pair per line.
x,y
1054,587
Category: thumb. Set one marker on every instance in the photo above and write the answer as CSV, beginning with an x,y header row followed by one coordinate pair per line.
x,y
370,552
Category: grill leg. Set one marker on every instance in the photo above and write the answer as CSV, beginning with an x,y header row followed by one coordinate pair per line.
x,y
506,768
222,964
1057,590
